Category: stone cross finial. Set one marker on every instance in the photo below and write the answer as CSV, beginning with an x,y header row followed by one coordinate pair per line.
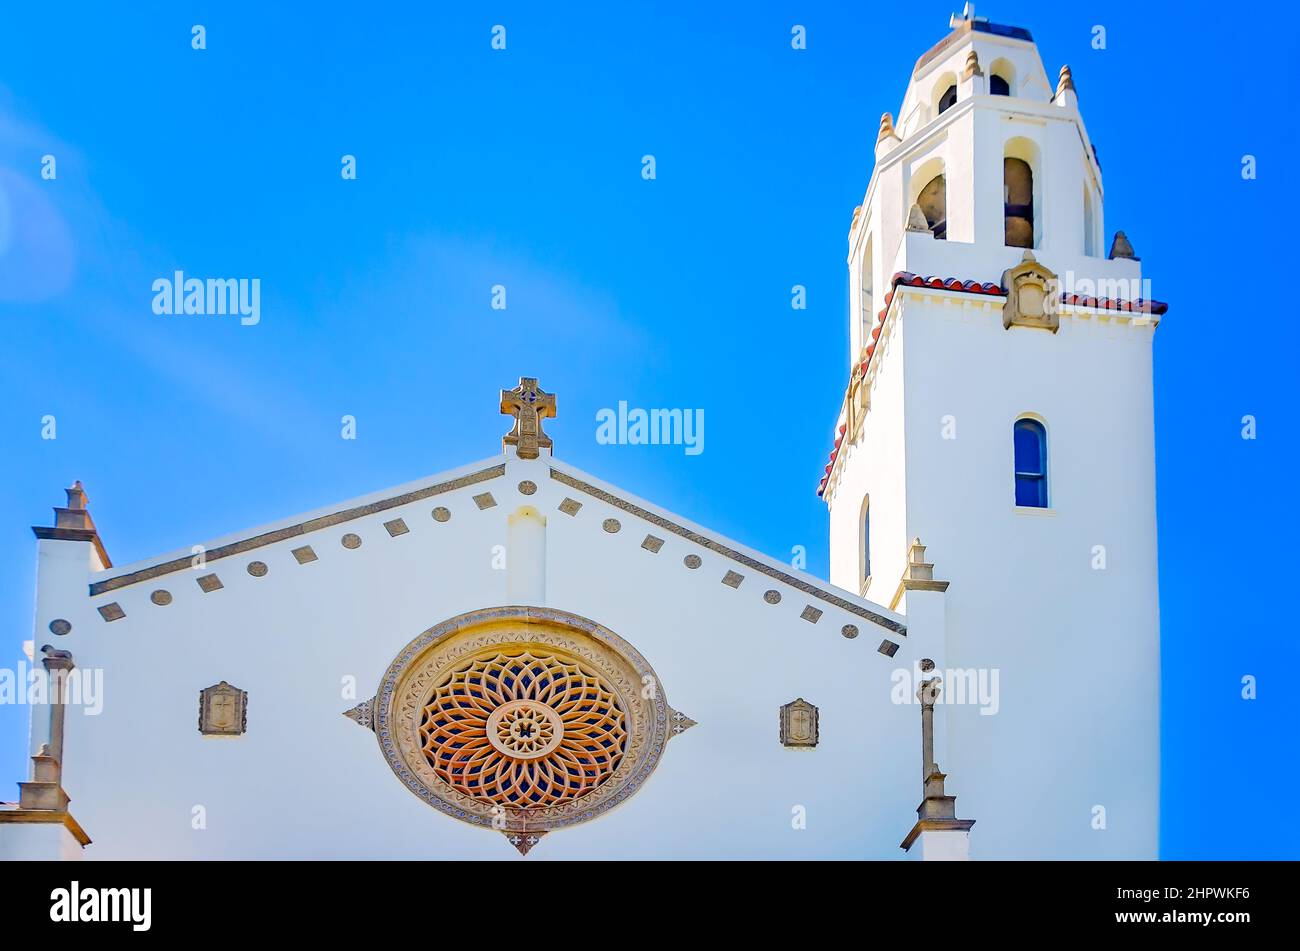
x,y
529,404
967,15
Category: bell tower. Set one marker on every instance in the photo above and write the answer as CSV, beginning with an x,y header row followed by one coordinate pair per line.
x,y
999,406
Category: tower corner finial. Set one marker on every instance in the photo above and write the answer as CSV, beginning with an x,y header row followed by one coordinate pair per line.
x,y
1121,248
886,127
72,522
77,500
1065,82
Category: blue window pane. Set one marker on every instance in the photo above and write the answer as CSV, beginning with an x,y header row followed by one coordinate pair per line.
x,y
1029,446
1031,491
1031,463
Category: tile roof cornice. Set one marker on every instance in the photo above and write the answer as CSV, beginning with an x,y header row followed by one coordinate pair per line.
x,y
985,288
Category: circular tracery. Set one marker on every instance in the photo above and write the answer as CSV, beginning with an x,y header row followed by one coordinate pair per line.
x,y
521,719
523,728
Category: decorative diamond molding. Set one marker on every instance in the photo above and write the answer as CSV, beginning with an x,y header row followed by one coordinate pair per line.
x,y
304,554
209,583
679,722
570,506
811,614
652,544
524,841
110,612
396,527
716,546
297,531
484,501
888,648
732,580
362,714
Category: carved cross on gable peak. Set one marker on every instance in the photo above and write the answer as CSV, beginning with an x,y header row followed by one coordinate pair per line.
x,y
529,404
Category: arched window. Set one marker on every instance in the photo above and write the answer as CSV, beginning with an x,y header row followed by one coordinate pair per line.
x,y
1018,215
1031,463
943,95
868,291
1002,77
934,203
866,539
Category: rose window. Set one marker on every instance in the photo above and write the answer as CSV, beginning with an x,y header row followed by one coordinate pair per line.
x,y
526,729
521,719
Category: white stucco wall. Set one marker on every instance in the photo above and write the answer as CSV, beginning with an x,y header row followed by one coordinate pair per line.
x,y
307,782
38,842
1077,648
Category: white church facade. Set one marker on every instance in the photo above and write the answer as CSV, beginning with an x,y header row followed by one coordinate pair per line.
x,y
515,658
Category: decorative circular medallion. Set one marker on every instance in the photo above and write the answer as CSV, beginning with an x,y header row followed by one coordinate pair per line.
x,y
161,597
60,626
521,719
257,569
527,487
692,561
849,630
525,729
611,525
351,541
772,597
441,514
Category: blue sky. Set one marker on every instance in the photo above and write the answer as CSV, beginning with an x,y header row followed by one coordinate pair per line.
x,y
522,168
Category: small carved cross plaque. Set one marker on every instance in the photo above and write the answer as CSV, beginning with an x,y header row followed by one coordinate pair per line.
x,y
799,724
529,404
223,710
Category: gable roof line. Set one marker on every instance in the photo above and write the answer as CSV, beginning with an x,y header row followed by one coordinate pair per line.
x,y
721,546
299,529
